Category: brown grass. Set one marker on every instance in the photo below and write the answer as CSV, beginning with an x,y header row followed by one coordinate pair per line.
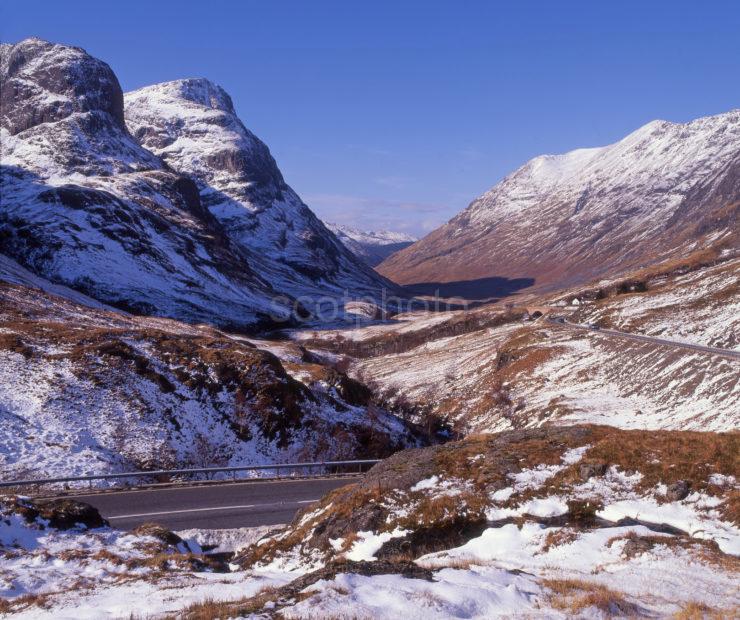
x,y
19,603
669,456
661,456
210,609
106,556
559,537
438,510
574,595
164,562
700,611
460,563
706,551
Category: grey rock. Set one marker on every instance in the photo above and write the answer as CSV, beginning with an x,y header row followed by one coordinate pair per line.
x,y
678,491
591,470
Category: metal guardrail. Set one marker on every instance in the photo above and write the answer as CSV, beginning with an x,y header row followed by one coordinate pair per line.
x,y
278,467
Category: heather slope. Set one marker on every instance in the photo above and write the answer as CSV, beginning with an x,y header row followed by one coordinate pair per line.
x,y
85,390
495,368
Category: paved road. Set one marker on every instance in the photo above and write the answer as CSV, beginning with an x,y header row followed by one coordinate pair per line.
x,y
728,353
212,506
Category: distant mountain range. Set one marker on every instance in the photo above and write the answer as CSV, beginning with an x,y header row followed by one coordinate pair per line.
x,y
161,202
372,246
665,190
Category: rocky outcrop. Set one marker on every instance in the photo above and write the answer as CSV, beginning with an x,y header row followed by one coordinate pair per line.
x,y
419,502
60,513
44,83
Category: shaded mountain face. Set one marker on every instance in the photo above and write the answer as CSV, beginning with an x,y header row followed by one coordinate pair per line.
x,y
191,124
373,246
84,205
662,191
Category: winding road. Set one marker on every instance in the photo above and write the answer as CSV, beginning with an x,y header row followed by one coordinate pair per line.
x,y
214,506
728,353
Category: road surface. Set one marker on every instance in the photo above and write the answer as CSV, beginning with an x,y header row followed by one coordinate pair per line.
x,y
212,506
728,353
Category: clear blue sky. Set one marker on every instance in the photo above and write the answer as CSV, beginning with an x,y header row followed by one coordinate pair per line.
x,y
397,114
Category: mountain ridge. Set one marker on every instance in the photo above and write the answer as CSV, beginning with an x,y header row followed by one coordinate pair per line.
x,y
85,204
664,189
372,246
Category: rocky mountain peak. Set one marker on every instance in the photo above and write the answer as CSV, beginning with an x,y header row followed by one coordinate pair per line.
x,y
44,82
84,205
192,125
200,91
371,246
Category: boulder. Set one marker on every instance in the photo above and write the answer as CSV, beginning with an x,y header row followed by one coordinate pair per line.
x,y
66,514
678,491
161,533
591,470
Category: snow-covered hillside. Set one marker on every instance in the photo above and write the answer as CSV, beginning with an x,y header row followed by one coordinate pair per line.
x,y
189,219
488,369
662,191
554,523
371,246
192,125
557,523
86,390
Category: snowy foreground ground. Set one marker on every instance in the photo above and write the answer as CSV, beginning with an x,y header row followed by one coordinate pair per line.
x,y
522,524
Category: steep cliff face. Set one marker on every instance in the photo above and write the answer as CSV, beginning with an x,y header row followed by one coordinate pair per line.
x,y
84,205
664,190
191,124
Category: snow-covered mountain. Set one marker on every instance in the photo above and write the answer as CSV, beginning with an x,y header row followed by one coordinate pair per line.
x,y
84,205
192,125
203,229
371,246
664,190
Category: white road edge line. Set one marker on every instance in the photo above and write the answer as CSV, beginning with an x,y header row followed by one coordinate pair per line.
x,y
174,512
196,487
